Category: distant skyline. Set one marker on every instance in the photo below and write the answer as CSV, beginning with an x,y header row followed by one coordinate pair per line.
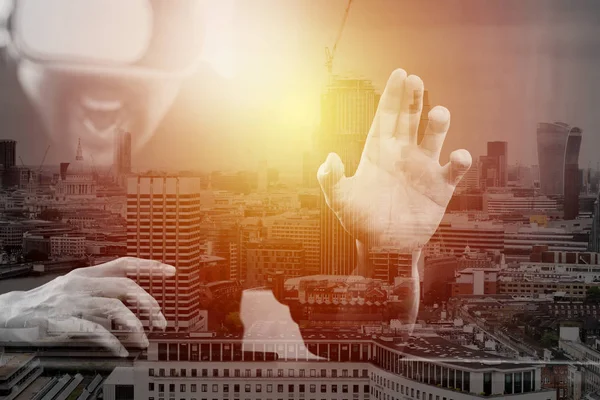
x,y
500,68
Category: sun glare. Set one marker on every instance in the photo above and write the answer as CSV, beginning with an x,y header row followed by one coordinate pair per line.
x,y
219,44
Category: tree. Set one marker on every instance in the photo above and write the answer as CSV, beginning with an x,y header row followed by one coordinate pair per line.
x,y
233,323
549,339
593,294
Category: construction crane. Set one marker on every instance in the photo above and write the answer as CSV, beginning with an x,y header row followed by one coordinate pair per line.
x,y
330,54
43,160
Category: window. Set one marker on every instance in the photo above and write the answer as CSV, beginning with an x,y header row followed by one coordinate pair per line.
x,y
193,388
526,382
226,373
291,373
290,388
247,388
302,373
171,387
280,373
226,388
151,372
323,388
182,388
323,373
345,373
236,388
270,373
194,372
172,372
269,388
355,373
215,388
365,388
333,388
204,388
279,388
258,373
508,385
161,387
161,372
301,388
151,386
183,372
236,373
258,388
313,388
487,383
248,373
204,372
365,373
344,388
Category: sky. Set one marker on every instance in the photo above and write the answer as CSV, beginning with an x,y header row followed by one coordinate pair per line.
x,y
499,66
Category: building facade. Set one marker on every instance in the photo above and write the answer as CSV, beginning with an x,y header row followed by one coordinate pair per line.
x,y
163,224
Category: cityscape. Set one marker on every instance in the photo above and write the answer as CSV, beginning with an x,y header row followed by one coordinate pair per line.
x,y
266,301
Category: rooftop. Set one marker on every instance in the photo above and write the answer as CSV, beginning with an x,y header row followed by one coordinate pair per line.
x,y
12,362
435,348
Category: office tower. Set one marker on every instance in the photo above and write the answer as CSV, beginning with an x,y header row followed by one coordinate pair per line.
x,y
301,228
424,117
347,110
470,181
269,257
499,151
552,145
488,177
163,224
263,176
572,174
122,154
8,153
310,165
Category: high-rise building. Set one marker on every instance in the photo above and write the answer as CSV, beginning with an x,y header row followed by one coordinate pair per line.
x,y
8,153
552,145
424,117
347,110
163,224
572,174
122,154
499,151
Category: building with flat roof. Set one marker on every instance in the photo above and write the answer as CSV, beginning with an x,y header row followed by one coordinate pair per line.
x,y
353,365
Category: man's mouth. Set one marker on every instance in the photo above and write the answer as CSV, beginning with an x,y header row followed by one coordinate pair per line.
x,y
102,116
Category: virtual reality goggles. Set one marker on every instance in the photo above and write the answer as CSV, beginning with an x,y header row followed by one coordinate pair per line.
x,y
159,37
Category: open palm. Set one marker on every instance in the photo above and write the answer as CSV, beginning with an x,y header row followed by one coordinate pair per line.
x,y
399,192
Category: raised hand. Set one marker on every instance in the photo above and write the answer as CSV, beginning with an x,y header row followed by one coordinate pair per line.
x,y
399,192
75,305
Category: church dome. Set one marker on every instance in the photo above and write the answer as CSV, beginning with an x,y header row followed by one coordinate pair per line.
x,y
79,167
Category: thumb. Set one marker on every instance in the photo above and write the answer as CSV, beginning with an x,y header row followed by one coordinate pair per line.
x,y
460,162
330,173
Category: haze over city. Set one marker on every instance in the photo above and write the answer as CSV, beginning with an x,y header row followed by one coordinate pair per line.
x,y
500,68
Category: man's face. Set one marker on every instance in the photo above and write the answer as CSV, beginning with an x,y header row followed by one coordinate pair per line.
x,y
87,81
92,106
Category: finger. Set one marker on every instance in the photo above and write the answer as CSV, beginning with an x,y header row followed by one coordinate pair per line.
x,y
128,265
457,167
128,291
386,117
114,310
330,173
72,329
410,111
435,133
